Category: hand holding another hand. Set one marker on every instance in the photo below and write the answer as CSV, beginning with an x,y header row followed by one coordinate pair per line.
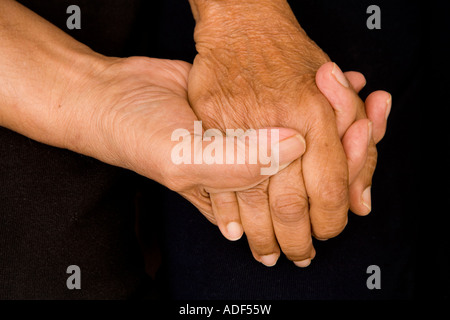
x,y
141,102
258,69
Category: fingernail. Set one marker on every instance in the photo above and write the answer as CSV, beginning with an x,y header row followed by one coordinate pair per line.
x,y
235,231
388,106
269,260
290,149
366,199
339,76
303,263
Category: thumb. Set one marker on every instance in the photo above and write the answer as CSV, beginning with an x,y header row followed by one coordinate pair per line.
x,y
240,160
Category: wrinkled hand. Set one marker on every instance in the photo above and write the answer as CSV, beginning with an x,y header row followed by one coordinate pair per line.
x,y
253,74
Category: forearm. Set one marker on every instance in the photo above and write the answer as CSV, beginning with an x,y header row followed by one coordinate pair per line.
x,y
254,16
40,67
255,30
245,9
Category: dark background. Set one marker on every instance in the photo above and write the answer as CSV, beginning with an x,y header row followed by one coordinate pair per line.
x,y
58,208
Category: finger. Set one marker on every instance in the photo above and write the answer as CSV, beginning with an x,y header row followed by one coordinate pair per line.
x,y
290,214
378,107
356,143
335,87
356,79
226,212
257,223
326,174
360,189
345,101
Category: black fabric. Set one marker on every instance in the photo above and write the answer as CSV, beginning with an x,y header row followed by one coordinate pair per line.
x,y
59,208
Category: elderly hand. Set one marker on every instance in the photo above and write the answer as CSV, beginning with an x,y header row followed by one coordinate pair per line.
x,y
255,68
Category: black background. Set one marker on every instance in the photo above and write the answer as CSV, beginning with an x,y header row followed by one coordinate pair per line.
x,y
58,208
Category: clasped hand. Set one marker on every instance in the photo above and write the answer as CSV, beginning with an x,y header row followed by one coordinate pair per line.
x,y
256,70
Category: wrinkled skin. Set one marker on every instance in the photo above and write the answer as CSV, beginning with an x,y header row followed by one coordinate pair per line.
x,y
253,76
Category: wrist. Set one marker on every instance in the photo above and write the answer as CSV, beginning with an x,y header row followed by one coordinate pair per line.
x,y
204,9
236,26
231,18
76,100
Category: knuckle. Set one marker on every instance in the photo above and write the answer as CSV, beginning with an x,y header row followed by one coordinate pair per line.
x,y
319,109
262,241
261,244
289,208
254,196
327,231
297,253
296,250
334,196
224,201
333,207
